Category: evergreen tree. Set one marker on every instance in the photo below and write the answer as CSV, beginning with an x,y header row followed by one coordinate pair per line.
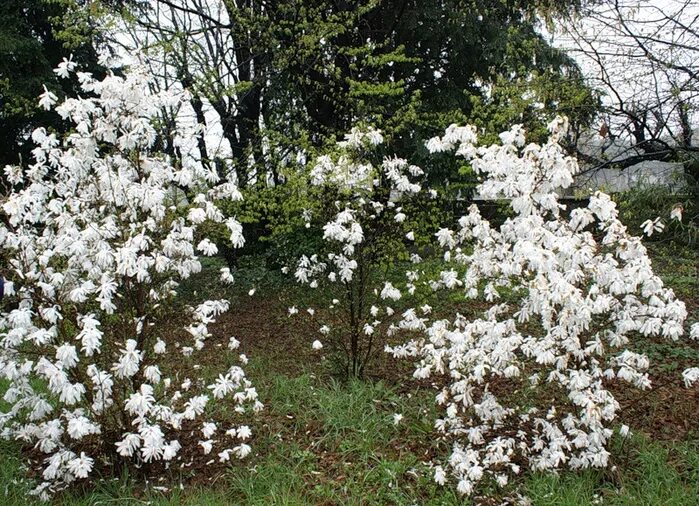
x,y
35,36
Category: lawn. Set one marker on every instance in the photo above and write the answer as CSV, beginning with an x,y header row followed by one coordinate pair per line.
x,y
321,441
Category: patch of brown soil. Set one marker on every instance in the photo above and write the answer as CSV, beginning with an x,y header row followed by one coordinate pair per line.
x,y
668,411
264,330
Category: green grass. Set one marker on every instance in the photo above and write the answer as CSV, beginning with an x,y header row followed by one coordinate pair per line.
x,y
329,443
324,442
651,474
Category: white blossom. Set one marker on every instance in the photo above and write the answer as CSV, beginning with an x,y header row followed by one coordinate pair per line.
x,y
80,466
588,294
690,376
676,213
100,230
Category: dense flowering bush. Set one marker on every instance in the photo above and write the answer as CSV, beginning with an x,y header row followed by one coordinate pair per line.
x,y
97,235
364,228
525,383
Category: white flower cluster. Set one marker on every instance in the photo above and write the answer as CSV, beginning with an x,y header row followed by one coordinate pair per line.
x,y
342,172
370,198
526,383
98,233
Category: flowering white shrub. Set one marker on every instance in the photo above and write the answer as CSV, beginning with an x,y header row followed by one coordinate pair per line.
x,y
97,236
525,383
363,203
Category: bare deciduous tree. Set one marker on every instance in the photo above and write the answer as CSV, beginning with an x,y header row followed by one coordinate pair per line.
x,y
644,58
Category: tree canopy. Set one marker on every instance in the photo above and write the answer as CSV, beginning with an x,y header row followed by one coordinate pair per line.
x,y
35,36
285,77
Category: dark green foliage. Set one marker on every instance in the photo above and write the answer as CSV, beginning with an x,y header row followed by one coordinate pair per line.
x,y
413,67
289,77
35,35
649,201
